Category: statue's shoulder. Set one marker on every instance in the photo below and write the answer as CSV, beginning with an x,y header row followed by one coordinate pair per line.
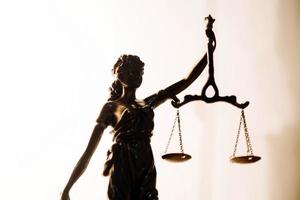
x,y
110,105
107,114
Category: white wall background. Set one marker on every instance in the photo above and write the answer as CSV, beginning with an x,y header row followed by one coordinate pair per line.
x,y
55,62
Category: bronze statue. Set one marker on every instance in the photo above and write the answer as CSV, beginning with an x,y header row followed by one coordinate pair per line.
x,y
130,163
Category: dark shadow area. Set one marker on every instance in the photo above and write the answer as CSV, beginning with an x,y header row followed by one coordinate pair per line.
x,y
283,148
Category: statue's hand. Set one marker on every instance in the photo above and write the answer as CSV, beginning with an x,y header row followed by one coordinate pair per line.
x,y
65,196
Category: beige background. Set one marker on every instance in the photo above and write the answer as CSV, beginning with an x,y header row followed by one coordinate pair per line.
x,y
55,66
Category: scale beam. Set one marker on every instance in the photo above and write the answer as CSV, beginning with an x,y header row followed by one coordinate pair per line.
x,y
211,46
228,99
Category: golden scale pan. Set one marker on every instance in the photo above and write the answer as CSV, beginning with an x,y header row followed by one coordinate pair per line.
x,y
250,157
176,157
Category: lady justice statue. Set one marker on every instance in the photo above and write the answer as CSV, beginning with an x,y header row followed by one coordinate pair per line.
x,y
130,164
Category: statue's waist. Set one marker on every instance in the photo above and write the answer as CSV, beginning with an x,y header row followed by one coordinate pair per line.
x,y
132,137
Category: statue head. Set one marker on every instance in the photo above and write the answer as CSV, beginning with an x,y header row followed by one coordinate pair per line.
x,y
129,70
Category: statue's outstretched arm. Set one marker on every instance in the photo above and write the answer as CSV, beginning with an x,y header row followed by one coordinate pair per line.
x,y
84,160
176,88
181,85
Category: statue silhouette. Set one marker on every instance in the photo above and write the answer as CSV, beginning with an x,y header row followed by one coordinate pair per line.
x,y
130,163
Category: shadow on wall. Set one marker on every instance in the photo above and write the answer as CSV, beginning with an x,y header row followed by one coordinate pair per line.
x,y
284,147
284,175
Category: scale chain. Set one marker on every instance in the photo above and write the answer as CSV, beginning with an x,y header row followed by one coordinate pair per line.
x,y
248,142
238,135
249,145
179,132
172,131
177,119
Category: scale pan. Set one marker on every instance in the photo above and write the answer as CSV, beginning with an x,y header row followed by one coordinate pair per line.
x,y
176,157
245,159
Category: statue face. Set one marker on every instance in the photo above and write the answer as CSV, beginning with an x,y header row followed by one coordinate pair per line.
x,y
130,76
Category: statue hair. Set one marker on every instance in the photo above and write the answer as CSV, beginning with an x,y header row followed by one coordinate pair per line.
x,y
123,62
